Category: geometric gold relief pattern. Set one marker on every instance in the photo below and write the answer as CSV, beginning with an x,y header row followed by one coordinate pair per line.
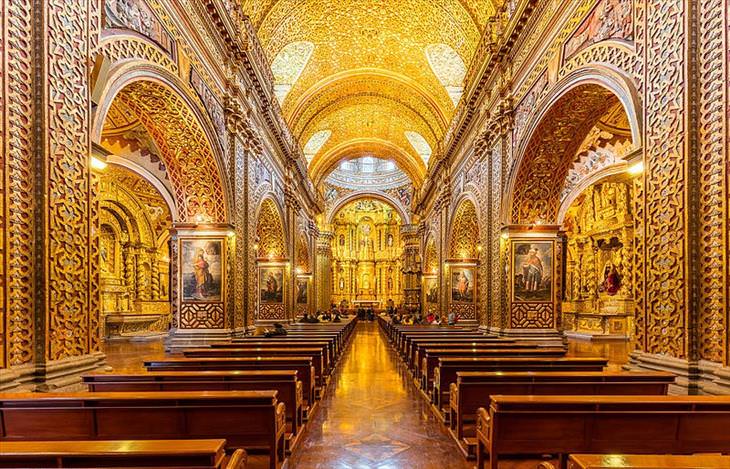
x,y
532,316
270,231
465,232
665,190
67,205
184,147
271,311
549,153
202,316
17,163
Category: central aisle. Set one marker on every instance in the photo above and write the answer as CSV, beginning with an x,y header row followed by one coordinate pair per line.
x,y
374,417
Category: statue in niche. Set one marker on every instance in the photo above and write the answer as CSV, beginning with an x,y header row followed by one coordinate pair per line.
x,y
390,240
342,283
611,280
390,283
342,240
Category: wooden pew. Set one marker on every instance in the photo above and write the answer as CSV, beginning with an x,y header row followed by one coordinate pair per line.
x,y
536,425
193,454
276,342
332,343
245,419
302,365
472,390
339,342
652,461
431,357
445,373
316,354
405,341
284,382
414,348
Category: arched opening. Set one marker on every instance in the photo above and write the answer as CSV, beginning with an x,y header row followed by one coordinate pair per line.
x,y
272,257
578,174
463,261
367,254
134,256
146,120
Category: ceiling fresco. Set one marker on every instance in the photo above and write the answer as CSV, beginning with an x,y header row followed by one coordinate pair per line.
x,y
369,69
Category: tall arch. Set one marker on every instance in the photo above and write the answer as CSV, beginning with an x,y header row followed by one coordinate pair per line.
x,y
430,256
402,212
554,137
184,135
270,233
464,232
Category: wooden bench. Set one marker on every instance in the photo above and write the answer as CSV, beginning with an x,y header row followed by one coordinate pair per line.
x,y
245,419
431,357
638,461
414,350
284,382
283,341
316,354
403,340
537,425
472,390
339,342
302,365
193,454
445,373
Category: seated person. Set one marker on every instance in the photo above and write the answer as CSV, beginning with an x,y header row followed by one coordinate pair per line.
x,y
337,318
453,318
437,320
397,319
430,318
277,331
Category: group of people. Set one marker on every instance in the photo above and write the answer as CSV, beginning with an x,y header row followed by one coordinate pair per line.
x,y
366,314
278,330
418,318
322,316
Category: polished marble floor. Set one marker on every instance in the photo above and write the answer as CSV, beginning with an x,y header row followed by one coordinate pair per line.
x,y
372,416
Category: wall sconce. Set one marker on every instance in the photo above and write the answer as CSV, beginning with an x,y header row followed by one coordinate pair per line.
x,y
201,218
255,247
231,234
479,248
97,164
299,270
271,255
505,235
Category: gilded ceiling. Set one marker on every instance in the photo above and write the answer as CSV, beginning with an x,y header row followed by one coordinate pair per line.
x,y
377,69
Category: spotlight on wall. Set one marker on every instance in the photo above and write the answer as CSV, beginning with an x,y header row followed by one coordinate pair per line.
x,y
255,247
636,168
299,270
505,235
231,233
479,247
97,164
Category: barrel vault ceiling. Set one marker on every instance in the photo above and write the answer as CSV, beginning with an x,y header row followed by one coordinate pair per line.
x,y
349,72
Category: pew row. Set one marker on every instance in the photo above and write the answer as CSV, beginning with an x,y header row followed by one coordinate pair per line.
x,y
250,420
638,461
302,365
191,454
521,425
472,390
284,382
445,373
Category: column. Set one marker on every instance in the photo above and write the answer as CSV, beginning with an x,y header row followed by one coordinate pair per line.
x,y
411,267
324,270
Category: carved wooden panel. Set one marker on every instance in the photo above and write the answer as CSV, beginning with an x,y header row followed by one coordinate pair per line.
x,y
270,231
464,232
202,316
532,316
269,312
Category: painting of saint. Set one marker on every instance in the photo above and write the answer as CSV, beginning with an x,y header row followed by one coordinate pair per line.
x,y
532,267
302,292
610,19
431,289
271,284
201,262
462,285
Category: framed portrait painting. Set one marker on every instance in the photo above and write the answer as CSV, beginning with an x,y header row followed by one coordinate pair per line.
x,y
302,291
463,282
271,284
201,262
532,271
431,289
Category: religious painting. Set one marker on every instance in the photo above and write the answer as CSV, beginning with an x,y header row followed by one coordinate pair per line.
x,y
271,284
431,289
201,262
610,19
532,270
462,284
302,291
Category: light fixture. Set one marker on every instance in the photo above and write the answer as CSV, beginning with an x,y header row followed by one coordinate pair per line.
x,y
636,168
255,247
299,270
479,247
201,218
97,164
505,235
231,233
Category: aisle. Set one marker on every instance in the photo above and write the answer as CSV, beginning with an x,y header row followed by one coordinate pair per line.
x,y
373,417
